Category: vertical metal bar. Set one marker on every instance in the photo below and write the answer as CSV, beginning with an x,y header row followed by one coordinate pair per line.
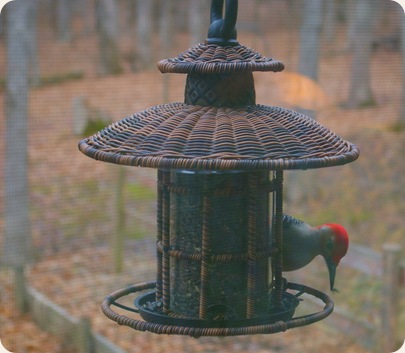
x,y
270,223
252,248
273,232
166,243
206,253
159,235
278,237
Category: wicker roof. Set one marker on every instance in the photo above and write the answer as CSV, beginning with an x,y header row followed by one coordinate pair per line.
x,y
254,137
211,58
197,137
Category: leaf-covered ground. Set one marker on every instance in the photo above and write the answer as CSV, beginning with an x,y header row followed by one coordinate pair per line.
x,y
72,196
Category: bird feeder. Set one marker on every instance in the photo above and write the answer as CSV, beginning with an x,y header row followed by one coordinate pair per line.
x,y
220,159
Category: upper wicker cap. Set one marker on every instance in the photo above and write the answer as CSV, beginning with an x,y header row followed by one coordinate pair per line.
x,y
255,137
210,58
230,136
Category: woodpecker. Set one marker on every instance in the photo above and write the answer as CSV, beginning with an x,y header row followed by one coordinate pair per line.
x,y
302,243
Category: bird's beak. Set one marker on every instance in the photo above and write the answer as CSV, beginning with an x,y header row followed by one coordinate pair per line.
x,y
332,273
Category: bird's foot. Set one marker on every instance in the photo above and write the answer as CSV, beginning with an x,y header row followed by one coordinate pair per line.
x,y
283,286
274,300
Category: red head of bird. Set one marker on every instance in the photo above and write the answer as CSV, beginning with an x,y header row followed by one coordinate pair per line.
x,y
336,243
302,243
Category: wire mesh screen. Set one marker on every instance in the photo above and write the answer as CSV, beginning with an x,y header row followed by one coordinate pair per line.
x,y
93,225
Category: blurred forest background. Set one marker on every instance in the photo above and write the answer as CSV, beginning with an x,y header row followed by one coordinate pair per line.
x,y
75,230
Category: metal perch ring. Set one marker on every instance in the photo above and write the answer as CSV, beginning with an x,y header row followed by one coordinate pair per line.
x,y
195,331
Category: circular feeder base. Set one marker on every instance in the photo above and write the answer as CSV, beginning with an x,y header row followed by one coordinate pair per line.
x,y
158,322
151,311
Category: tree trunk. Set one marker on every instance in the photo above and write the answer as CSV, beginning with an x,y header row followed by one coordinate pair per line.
x,y
402,113
63,20
350,24
301,185
107,27
35,74
309,43
360,87
1,22
310,38
330,21
166,27
17,249
166,35
198,23
87,13
144,33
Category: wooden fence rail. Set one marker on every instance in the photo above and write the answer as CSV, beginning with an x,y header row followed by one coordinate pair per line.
x,y
388,267
72,331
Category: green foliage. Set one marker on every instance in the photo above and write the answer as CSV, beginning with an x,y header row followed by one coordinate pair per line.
x,y
137,233
139,192
52,79
90,186
94,125
397,127
369,103
61,78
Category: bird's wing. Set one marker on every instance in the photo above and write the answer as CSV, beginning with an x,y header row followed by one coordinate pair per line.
x,y
299,248
288,221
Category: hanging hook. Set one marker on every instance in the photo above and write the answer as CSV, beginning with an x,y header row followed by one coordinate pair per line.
x,y
222,30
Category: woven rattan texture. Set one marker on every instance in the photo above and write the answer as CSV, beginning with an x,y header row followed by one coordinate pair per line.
x,y
255,137
210,58
220,90
269,328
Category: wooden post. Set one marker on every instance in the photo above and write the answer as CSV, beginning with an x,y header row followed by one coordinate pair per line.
x,y
21,290
389,304
80,115
119,232
84,336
